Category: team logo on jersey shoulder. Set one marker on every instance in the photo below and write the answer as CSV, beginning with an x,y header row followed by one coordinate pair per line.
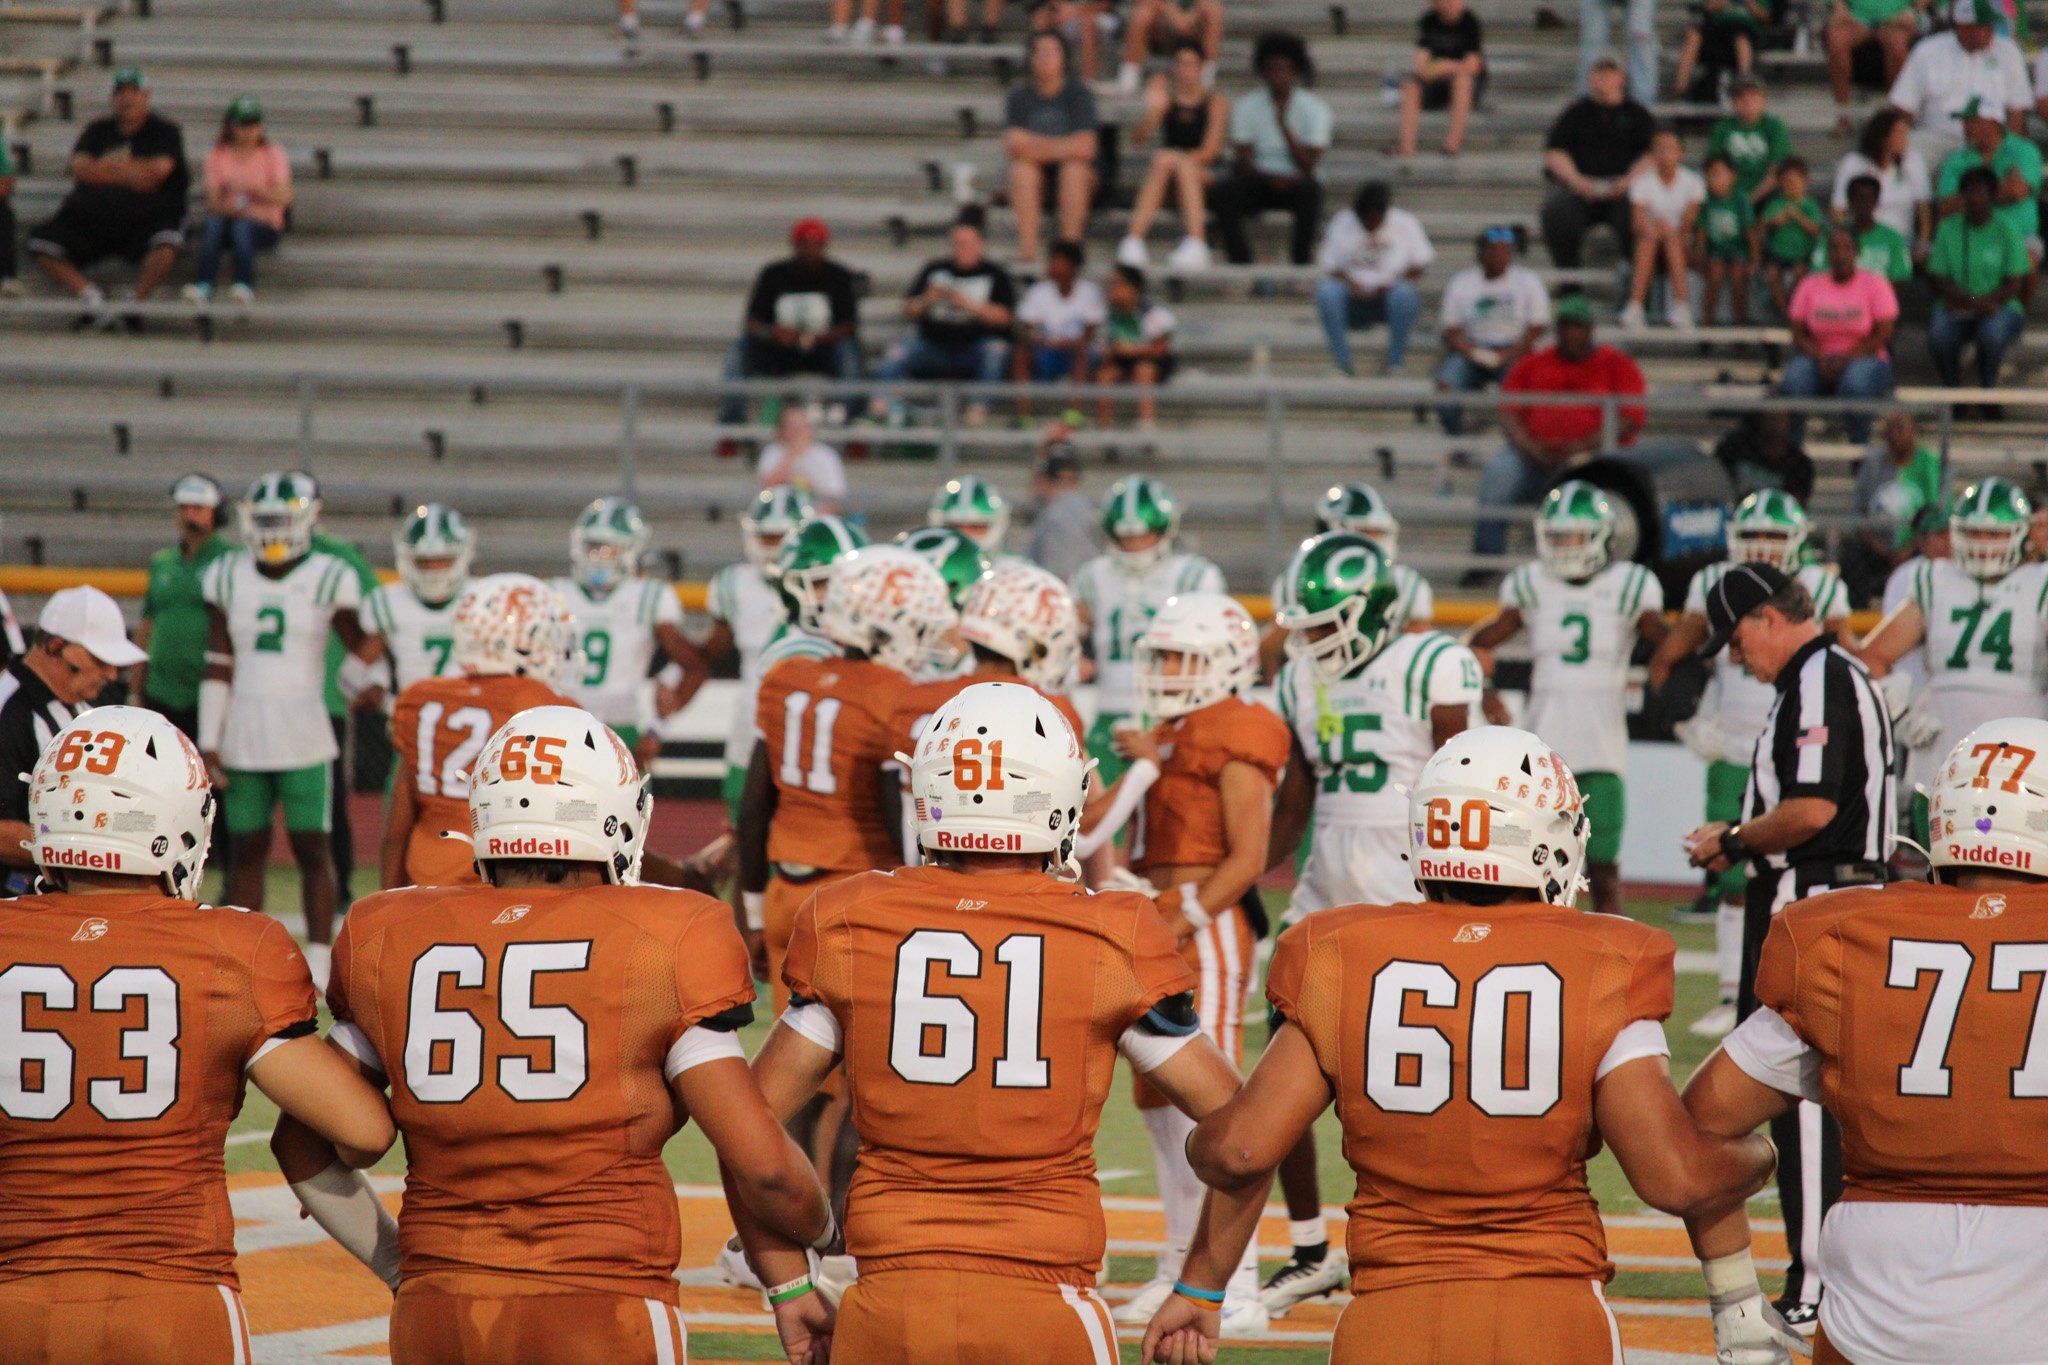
x,y
90,931
970,906
1988,907
512,914
1472,933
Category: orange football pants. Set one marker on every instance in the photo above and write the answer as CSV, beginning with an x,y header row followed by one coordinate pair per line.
x,y
779,904
96,1317
1480,1322
943,1317
1222,956
431,1326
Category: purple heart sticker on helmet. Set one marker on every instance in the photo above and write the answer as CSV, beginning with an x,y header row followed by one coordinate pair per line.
x,y
1983,824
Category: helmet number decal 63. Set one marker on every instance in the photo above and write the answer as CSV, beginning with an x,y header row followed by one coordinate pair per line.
x,y
95,753
1408,1066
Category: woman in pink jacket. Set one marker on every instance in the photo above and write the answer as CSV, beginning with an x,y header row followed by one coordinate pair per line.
x,y
248,188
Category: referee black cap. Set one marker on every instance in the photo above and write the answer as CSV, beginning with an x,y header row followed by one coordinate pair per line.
x,y
1740,591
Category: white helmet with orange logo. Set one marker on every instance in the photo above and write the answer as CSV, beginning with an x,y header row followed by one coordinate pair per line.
x,y
889,603
512,623
1026,615
1200,648
998,770
120,790
555,783
1496,806
1987,808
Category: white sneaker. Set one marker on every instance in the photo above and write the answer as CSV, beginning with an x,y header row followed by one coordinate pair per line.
x,y
1717,1022
893,35
693,22
196,294
836,34
1127,79
1137,1310
732,1267
1633,318
863,31
241,293
1299,1281
1244,1315
1678,315
1191,254
1131,252
319,959
629,26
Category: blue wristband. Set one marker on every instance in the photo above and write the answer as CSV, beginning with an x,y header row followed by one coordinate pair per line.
x,y
1200,1295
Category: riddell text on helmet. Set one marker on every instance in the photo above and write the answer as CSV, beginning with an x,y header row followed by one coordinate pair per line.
x,y
1991,857
1455,870
527,848
79,857
980,843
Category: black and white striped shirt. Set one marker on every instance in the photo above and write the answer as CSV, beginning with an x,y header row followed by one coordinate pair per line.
x,y
1828,736
30,716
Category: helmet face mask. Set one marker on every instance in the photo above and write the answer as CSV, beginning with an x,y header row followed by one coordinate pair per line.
x,y
1359,507
1987,808
606,544
1496,807
1988,529
1768,527
1575,530
434,548
120,791
1200,648
972,506
556,784
890,604
1336,603
998,770
277,517
765,525
1140,519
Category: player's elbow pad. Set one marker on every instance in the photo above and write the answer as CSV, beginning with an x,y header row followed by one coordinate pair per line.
x,y
213,714
347,1209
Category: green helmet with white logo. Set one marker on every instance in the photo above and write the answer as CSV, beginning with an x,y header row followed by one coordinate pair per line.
x,y
803,566
278,514
1359,507
1575,530
1768,527
434,547
971,505
606,544
774,514
1337,603
1138,506
1988,528
957,558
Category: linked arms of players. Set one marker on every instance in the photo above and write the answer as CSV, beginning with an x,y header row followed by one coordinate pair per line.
x,y
757,808
334,1122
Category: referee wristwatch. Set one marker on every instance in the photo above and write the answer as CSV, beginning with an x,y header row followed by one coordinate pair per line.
x,y
1732,846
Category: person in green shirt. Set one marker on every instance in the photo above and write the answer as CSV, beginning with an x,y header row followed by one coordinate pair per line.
x,y
1978,267
1790,224
1900,474
341,837
1878,246
2014,160
1752,138
1724,242
173,625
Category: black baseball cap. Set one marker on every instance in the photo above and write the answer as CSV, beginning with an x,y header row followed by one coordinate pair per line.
x,y
1740,591
1059,458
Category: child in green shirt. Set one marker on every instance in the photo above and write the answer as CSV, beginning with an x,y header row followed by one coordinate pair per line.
x,y
1790,224
1724,242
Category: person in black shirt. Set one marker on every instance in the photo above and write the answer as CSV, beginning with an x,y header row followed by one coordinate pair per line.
x,y
129,183
803,317
1764,451
1594,149
1449,73
963,305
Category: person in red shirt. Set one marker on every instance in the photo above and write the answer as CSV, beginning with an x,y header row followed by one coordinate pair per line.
x,y
1543,440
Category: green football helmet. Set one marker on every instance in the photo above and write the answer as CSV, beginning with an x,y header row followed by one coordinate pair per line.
x,y
1359,507
606,544
1575,530
1337,603
1137,506
1988,528
434,547
278,514
953,553
767,523
1768,527
803,566
971,505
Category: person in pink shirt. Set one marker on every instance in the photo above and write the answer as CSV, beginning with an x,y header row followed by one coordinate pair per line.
x,y
1842,321
248,188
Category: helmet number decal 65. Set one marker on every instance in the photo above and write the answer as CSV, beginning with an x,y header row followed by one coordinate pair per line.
x,y
1408,1066
95,753
530,759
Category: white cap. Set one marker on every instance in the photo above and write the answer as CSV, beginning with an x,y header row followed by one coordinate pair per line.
x,y
195,490
86,616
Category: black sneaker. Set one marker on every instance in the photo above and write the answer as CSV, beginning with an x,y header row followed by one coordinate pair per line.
x,y
1800,1317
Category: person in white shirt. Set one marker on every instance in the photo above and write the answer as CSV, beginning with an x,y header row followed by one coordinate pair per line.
x,y
1062,317
797,457
1494,313
1665,197
1905,191
1371,258
1945,71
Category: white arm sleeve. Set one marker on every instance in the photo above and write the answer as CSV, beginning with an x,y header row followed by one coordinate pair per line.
x,y
1643,1038
356,1044
1138,780
1766,1049
699,1045
1150,1051
815,1023
213,714
347,1209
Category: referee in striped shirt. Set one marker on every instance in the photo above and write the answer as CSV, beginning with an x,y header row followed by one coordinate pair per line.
x,y
1819,813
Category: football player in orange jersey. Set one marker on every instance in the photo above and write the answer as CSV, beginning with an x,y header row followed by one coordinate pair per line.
x,y
1202,785
1918,1015
512,635
129,1018
543,1036
978,1004
1480,1046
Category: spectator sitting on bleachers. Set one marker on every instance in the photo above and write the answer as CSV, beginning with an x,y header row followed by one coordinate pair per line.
x,y
796,456
803,317
1666,199
1049,124
844,28
1639,34
1371,259
1542,440
1979,269
1060,318
1877,246
1137,343
1278,135
1189,119
1494,313
1753,139
1945,71
1598,143
2013,159
1161,28
963,305
1789,226
1725,244
127,199
1763,450
10,272
1723,40
1891,24
1899,476
1449,71
1885,151
1842,321
248,188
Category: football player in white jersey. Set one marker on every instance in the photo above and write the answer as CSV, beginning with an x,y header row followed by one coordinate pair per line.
x,y
263,727
1976,620
1359,507
1583,613
971,505
415,617
1767,527
625,623
746,612
1367,703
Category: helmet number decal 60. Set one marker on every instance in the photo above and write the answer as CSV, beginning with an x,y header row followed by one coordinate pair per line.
x,y
1472,830
1408,1066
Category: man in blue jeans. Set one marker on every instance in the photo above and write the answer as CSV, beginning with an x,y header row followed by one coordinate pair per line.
x,y
1371,258
963,305
1979,268
1494,313
803,317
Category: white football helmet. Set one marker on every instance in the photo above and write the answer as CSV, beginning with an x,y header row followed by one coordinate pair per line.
x,y
889,603
512,623
278,514
1358,506
555,783
999,770
1496,806
1027,616
1199,649
606,543
434,534
120,790
1987,808
775,512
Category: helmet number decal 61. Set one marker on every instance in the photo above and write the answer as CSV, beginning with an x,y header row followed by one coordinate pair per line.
x,y
95,753
971,773
1408,1066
